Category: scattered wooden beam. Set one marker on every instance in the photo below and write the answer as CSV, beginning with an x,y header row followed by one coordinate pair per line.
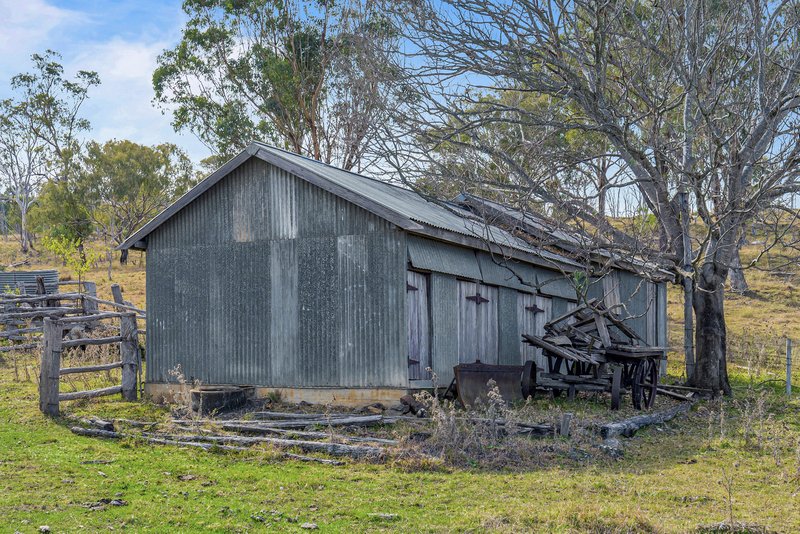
x,y
334,449
97,433
302,423
322,435
672,394
290,415
628,427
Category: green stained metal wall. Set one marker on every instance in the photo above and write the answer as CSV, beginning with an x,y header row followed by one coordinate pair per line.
x,y
268,280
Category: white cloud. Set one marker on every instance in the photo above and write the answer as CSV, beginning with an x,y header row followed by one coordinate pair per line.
x,y
27,24
121,107
120,47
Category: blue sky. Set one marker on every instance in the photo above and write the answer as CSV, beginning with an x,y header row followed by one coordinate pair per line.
x,y
120,40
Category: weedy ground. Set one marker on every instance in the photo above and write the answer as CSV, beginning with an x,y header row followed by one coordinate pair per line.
x,y
730,464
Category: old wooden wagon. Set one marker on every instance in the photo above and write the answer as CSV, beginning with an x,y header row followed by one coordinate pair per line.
x,y
592,349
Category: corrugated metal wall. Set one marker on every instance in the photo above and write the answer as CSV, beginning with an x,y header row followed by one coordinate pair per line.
x,y
10,279
268,280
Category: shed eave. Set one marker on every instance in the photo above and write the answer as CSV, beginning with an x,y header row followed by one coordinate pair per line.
x,y
481,244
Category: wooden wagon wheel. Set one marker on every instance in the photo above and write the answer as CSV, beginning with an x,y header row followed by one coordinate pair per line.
x,y
644,383
529,380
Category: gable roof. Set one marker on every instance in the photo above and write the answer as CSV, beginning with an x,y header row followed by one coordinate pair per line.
x,y
403,207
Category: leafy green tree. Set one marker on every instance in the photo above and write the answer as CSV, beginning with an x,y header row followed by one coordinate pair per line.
x,y
50,105
39,129
307,76
124,184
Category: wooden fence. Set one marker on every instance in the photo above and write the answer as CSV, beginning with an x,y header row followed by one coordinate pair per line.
x,y
32,321
54,343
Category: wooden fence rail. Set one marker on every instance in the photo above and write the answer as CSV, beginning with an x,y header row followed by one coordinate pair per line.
x,y
51,371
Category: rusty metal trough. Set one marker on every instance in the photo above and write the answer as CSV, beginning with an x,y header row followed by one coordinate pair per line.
x,y
514,382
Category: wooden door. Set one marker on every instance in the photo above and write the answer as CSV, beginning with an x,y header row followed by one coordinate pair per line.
x,y
477,323
533,312
419,334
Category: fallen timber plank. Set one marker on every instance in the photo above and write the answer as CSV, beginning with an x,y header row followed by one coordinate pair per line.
x,y
90,393
325,435
302,423
290,415
686,388
91,341
96,433
90,368
672,394
628,427
334,449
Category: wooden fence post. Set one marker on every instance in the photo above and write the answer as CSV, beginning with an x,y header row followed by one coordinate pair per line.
x,y
89,306
116,292
50,370
129,349
789,366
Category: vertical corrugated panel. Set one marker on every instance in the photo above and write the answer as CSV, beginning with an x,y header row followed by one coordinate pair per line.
x,y
510,338
444,326
10,279
268,280
661,324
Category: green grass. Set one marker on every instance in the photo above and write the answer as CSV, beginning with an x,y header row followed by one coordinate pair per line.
x,y
668,481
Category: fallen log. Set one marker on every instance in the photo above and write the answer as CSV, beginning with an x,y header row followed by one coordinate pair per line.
x,y
334,449
628,427
302,423
317,435
292,416
107,434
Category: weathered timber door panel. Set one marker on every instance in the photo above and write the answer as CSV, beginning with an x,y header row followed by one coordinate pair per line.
x,y
419,346
477,323
532,313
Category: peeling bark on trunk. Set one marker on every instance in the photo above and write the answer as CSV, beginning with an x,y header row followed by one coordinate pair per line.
x,y
710,369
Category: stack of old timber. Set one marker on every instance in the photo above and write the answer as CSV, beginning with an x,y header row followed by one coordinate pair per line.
x,y
588,334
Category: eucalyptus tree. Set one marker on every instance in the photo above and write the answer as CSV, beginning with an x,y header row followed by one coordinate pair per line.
x,y
305,75
698,100
40,129
124,184
23,166
50,104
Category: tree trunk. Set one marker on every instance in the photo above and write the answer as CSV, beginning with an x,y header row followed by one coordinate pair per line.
x,y
23,231
710,369
123,256
738,281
